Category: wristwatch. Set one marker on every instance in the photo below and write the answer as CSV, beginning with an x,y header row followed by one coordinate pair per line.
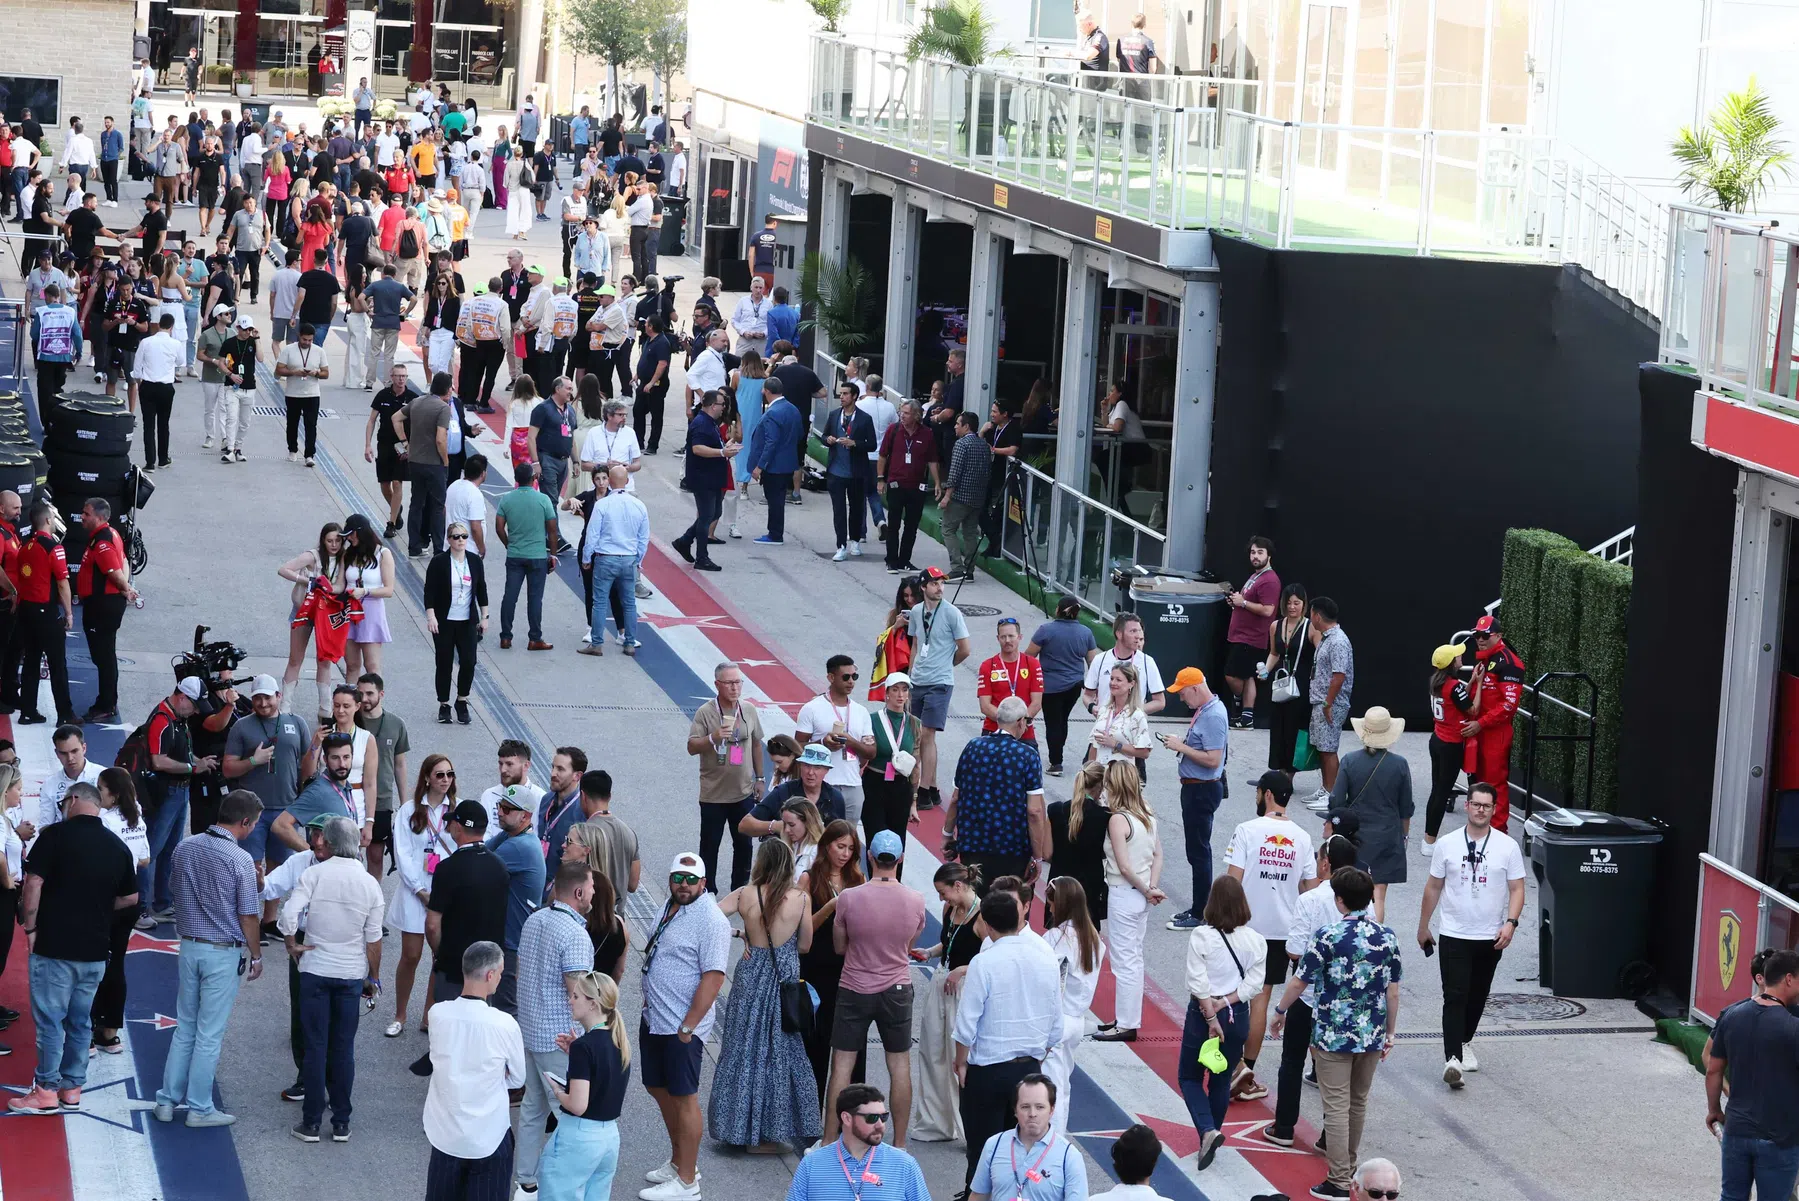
x,y
686,1029
1512,922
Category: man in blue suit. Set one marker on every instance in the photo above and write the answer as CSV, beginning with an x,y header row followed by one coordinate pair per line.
x,y
774,456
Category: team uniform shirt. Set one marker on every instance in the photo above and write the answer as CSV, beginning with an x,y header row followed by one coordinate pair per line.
x,y
41,563
1476,875
1022,678
105,553
1449,708
1275,854
56,786
818,716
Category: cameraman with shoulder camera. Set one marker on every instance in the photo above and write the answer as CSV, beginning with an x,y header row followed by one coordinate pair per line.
x,y
172,767
207,731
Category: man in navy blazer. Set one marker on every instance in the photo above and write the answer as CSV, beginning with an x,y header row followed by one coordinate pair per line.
x,y
775,456
849,438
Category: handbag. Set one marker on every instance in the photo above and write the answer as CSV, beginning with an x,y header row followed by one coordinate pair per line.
x,y
1304,757
1285,687
798,1005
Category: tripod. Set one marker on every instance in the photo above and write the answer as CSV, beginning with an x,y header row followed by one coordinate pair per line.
x,y
1013,488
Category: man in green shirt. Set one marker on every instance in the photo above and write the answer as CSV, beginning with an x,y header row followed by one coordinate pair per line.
x,y
212,377
525,520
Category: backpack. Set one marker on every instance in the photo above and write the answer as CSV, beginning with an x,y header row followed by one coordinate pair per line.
x,y
409,243
134,753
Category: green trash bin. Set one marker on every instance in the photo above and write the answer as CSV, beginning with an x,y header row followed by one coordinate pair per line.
x,y
1595,873
1184,623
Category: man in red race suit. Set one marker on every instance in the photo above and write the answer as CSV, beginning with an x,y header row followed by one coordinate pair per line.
x,y
1498,685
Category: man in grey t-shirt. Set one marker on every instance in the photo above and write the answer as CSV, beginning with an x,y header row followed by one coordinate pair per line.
x,y
269,752
940,641
1333,678
249,233
427,459
391,748
391,300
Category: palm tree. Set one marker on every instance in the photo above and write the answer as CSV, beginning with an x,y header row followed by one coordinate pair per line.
x,y
830,11
957,30
1730,162
841,301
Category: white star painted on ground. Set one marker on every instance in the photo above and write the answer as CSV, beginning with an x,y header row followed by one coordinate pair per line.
x,y
149,942
758,662
712,621
161,1021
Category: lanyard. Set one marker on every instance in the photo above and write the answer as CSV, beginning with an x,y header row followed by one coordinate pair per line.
x,y
864,1173
949,943
437,833
555,815
1011,679
930,619
669,912
1030,1172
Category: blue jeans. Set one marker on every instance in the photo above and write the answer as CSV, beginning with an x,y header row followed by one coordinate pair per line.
x,y
614,575
519,571
166,827
1770,1168
209,979
329,1010
1199,805
579,1162
62,998
1207,1093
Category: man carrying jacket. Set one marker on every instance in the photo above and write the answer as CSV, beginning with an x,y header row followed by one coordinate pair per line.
x,y
1498,685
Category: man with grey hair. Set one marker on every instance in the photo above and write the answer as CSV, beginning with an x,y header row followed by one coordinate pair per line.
x,y
727,737
477,1054
340,963
1375,1180
998,796
276,885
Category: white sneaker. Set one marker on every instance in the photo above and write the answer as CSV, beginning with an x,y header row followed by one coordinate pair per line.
x,y
1469,1063
665,1173
843,552
856,550
111,204
734,532
1452,1073
587,638
1427,849
672,1190
206,444
293,456
524,1194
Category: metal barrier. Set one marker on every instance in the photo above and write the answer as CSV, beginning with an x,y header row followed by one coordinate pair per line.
x,y
1738,915
1731,304
1059,536
15,332
1190,152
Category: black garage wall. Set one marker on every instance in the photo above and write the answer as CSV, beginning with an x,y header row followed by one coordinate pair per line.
x,y
1680,597
1385,418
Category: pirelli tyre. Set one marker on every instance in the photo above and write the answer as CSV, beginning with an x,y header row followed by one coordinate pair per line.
x,y
21,473
90,428
75,477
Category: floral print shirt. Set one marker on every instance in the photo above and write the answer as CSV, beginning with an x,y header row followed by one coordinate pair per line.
x,y
1350,964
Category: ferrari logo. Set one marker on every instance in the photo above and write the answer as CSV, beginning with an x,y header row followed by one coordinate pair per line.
x,y
1730,940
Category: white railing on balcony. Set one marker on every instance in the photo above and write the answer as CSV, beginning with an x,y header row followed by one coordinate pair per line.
x,y
1191,152
1064,538
1731,298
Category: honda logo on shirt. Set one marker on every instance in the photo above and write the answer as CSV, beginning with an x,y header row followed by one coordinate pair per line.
x,y
1599,862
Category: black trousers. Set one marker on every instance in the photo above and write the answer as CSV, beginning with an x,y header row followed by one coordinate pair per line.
x,y
849,508
708,503
1296,1048
1445,766
109,175
425,508
455,640
1285,721
641,265
648,406
249,271
904,507
303,408
9,921
296,1034
480,369
886,804
159,406
489,1179
101,617
775,487
1467,965
714,819
609,360
41,639
108,1009
987,1102
1056,708
50,380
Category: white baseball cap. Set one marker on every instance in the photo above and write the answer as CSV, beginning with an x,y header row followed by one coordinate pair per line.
x,y
220,310
688,862
264,685
190,688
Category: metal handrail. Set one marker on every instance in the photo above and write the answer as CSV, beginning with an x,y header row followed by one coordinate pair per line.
x,y
1057,556
1732,303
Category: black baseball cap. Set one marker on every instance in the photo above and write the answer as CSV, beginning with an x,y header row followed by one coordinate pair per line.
x,y
470,815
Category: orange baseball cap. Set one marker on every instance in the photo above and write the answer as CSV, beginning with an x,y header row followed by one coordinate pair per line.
x,y
1186,678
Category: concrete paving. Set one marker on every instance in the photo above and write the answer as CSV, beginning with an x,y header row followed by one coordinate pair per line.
x,y
1581,1107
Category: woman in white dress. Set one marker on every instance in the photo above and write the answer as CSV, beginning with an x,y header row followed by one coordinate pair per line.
x,y
1077,947
363,758
1120,728
1133,875
172,290
519,210
421,842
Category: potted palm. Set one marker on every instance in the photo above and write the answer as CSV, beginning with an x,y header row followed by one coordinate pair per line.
x,y
961,32
1732,160
839,302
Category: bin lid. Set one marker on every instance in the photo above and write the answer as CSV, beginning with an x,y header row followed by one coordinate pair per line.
x,y
1173,589
1589,825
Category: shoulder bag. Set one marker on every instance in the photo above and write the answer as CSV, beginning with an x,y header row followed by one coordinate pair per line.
x,y
798,1002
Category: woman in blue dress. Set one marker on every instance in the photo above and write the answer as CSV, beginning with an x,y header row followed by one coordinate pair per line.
x,y
747,380
764,1098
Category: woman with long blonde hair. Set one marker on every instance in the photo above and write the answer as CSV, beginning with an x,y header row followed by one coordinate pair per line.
x,y
581,1157
421,842
1120,727
1133,873
1075,942
1077,837
802,827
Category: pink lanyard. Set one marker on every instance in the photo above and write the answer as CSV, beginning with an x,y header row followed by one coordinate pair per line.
x,y
1030,1173
867,1175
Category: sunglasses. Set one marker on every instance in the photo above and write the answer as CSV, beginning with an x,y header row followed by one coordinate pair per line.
x,y
852,676
458,537
872,1117
684,878
1008,621
443,775
1381,1194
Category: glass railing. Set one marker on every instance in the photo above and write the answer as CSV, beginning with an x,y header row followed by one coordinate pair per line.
x,y
1189,152
1731,305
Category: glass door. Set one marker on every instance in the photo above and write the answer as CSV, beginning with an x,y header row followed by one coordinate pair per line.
x,y
1321,91
287,56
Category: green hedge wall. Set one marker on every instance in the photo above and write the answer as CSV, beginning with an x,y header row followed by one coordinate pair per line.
x,y
1565,610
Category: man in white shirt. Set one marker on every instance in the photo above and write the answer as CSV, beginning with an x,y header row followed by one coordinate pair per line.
x,y
71,753
341,906
159,358
1009,1016
677,170
78,157
639,209
1127,647
708,373
284,295
613,443
300,366
1478,920
618,537
477,1054
515,778
845,729
750,320
276,886
464,502
1271,854
387,147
